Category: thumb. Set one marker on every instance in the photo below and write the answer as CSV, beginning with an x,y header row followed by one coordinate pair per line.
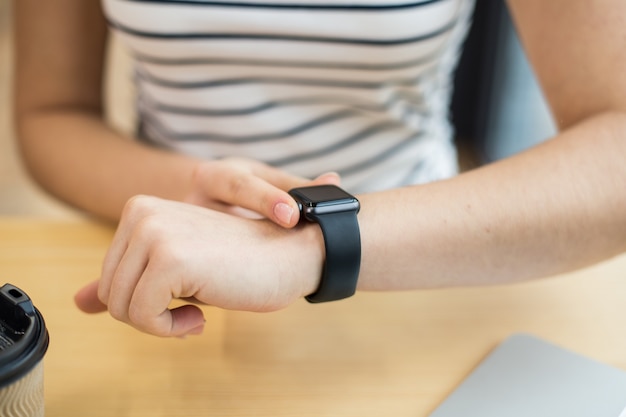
x,y
87,300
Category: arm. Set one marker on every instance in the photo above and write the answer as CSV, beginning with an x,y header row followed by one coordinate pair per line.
x,y
550,210
73,154
554,208
68,149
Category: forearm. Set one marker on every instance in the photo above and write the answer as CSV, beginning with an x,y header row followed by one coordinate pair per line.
x,y
59,59
557,207
76,157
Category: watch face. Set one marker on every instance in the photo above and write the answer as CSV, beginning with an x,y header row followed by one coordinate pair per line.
x,y
323,193
323,199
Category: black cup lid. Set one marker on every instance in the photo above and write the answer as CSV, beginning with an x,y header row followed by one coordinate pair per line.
x,y
23,334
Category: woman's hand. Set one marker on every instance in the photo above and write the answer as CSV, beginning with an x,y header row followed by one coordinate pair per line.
x,y
250,188
165,250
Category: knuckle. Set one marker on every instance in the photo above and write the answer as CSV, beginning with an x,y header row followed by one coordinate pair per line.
x,y
165,256
146,229
138,205
266,202
152,230
117,313
102,295
136,315
140,320
205,170
238,184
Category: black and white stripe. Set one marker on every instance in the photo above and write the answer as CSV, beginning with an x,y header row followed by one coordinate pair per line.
x,y
305,85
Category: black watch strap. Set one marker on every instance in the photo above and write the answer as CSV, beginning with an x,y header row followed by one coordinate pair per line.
x,y
342,241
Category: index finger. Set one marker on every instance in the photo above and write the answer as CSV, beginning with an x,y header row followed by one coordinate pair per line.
x,y
86,299
260,188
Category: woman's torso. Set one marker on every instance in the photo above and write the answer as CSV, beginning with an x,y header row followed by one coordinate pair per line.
x,y
305,85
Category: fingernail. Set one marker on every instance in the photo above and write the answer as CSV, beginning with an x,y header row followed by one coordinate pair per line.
x,y
283,212
196,330
193,332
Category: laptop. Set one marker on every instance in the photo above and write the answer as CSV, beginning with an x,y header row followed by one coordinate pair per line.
x,y
528,377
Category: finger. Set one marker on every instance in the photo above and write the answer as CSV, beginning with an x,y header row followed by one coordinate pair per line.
x,y
274,202
185,320
148,310
132,211
260,191
86,299
109,265
257,187
278,177
126,278
177,322
329,178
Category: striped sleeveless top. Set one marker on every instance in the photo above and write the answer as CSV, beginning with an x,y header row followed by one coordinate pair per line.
x,y
359,87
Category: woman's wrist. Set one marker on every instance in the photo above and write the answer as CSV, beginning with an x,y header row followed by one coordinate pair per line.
x,y
311,243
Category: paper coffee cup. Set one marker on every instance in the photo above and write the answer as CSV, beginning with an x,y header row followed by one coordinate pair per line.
x,y
23,344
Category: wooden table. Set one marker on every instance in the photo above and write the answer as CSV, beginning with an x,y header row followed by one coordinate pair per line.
x,y
394,354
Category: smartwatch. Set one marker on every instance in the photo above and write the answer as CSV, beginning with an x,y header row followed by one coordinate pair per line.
x,y
335,211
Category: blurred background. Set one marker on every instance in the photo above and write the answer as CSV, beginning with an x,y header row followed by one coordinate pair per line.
x,y
497,107
19,195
